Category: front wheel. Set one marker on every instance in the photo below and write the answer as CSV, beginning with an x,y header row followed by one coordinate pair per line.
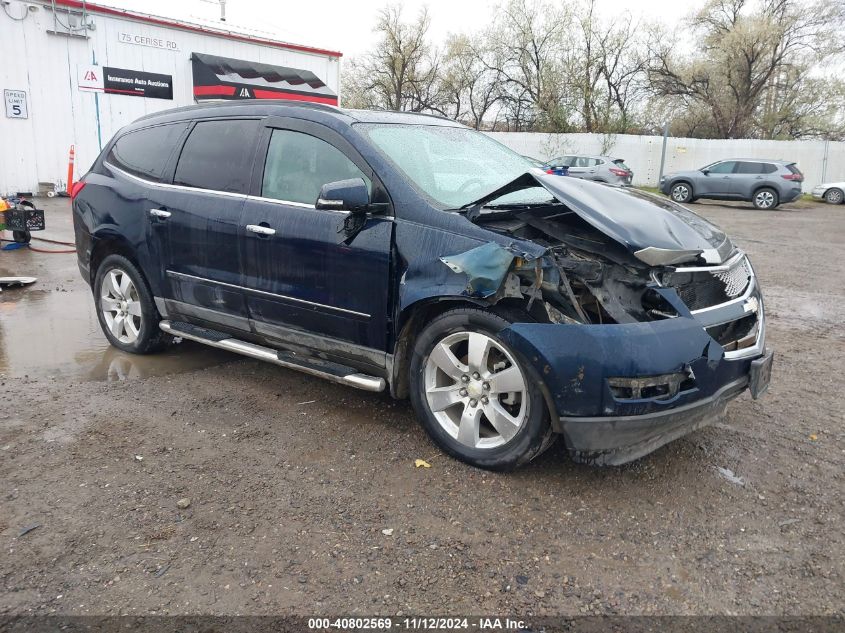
x,y
125,307
681,192
834,196
765,199
476,398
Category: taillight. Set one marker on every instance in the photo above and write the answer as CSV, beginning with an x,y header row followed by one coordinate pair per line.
x,y
796,177
550,171
77,188
618,172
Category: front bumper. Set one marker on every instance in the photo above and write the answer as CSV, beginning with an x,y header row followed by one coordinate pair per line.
x,y
611,441
818,193
580,363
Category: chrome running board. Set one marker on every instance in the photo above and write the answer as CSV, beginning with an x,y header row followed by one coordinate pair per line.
x,y
316,367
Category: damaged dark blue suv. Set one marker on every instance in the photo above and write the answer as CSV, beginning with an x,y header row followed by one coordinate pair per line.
x,y
406,252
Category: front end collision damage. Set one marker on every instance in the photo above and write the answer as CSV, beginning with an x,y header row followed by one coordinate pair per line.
x,y
627,364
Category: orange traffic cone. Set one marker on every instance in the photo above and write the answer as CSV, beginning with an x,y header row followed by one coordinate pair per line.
x,y
70,160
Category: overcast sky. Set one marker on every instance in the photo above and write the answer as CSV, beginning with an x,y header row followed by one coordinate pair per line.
x,y
346,25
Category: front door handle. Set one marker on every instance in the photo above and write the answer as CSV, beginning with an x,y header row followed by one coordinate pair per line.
x,y
261,230
160,213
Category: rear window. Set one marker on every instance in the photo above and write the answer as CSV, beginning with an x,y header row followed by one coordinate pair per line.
x,y
794,169
145,153
620,163
218,156
750,168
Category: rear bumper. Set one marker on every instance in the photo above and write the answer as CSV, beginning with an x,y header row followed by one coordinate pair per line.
x,y
791,195
611,441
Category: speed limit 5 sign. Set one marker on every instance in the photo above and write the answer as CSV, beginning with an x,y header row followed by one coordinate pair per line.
x,y
15,104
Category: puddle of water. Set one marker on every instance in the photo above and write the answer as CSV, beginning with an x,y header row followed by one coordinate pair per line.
x,y
49,333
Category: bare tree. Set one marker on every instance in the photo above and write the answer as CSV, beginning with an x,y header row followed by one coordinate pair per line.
x,y
528,50
470,87
747,48
401,73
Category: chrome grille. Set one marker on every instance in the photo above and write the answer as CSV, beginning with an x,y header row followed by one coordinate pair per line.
x,y
736,279
700,288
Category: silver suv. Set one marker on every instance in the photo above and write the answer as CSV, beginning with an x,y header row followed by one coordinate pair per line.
x,y
598,168
765,183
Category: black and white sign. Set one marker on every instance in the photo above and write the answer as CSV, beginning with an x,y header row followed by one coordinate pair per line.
x,y
15,104
137,83
122,81
146,40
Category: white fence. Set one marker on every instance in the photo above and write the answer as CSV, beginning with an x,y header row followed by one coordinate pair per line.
x,y
821,161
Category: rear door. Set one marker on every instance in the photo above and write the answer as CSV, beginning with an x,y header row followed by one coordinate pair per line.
x,y
140,161
582,167
201,211
748,176
305,276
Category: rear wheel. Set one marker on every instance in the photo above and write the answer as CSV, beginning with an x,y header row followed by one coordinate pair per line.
x,y
125,307
476,398
681,192
765,198
834,196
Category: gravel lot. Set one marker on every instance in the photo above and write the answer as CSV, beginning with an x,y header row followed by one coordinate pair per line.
x,y
302,496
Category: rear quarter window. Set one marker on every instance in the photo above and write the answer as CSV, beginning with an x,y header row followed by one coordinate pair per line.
x,y
145,153
218,155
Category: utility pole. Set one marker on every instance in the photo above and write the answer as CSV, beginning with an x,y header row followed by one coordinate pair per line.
x,y
663,152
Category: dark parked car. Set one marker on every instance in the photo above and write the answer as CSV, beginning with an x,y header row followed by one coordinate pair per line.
x,y
509,305
765,183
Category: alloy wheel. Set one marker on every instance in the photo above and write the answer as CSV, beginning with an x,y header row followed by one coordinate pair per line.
x,y
475,390
833,196
764,199
680,193
121,306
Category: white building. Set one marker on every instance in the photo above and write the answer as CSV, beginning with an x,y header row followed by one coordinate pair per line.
x,y
73,73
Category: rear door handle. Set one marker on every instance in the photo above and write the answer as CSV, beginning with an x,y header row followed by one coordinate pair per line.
x,y
261,230
160,213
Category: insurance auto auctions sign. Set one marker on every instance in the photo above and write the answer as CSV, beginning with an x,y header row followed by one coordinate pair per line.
x,y
123,81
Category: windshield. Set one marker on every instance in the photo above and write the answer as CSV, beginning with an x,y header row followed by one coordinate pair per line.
x,y
452,166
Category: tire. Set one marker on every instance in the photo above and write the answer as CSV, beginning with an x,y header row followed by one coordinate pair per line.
x,y
834,196
462,427
681,192
121,292
22,237
765,199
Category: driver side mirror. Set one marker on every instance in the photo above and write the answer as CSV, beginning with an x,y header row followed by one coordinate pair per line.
x,y
705,171
344,195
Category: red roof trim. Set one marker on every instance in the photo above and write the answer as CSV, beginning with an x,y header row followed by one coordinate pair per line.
x,y
95,8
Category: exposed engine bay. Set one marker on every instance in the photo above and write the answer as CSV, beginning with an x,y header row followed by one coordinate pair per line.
x,y
586,277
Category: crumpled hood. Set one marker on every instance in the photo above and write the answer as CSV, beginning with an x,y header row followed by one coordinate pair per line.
x,y
657,230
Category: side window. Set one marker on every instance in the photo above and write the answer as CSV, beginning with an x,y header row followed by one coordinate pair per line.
x,y
749,168
218,155
299,164
768,168
145,153
726,167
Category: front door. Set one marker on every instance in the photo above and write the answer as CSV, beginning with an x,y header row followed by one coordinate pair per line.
x,y
201,210
307,279
718,180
